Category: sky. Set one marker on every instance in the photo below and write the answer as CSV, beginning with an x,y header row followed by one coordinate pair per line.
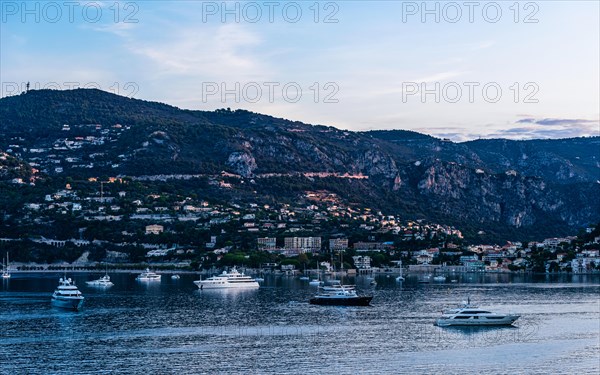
x,y
459,70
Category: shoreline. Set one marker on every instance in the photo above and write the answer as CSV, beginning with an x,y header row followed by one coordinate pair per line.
x,y
253,271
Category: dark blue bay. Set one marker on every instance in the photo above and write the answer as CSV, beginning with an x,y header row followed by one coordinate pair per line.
x,y
173,328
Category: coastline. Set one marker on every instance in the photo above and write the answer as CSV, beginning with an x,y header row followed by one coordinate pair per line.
x,y
163,269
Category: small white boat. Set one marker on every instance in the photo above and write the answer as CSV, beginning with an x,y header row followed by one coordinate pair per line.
x,y
315,282
304,278
439,278
399,278
148,276
469,315
259,279
67,296
103,282
175,277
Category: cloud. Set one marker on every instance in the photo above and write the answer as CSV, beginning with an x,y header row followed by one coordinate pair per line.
x,y
120,29
454,133
481,45
528,133
443,76
526,121
556,121
228,50
384,86
550,128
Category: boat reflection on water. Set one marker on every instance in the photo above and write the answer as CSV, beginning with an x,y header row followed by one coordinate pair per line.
x,y
230,294
483,335
477,330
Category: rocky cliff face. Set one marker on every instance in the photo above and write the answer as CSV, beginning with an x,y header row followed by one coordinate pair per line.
x,y
374,162
507,198
242,163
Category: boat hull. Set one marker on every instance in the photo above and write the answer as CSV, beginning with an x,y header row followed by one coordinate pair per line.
x,y
99,284
506,321
202,286
354,301
68,303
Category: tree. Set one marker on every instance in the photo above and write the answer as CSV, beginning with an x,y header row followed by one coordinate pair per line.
x,y
303,259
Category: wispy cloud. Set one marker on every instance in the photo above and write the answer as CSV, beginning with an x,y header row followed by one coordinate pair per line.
x,y
530,128
122,29
437,77
385,87
194,51
482,45
556,121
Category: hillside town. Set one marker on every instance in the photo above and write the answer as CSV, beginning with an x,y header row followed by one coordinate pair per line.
x,y
76,147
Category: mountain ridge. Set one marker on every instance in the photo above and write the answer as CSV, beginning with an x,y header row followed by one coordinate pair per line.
x,y
485,183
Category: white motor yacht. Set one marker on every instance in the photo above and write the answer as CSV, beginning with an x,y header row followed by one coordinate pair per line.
x,y
103,282
67,296
469,315
341,297
336,285
226,280
148,276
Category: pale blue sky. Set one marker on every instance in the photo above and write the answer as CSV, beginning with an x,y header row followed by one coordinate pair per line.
x,y
377,52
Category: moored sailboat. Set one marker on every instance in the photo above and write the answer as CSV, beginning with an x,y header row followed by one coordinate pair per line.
x,y
6,270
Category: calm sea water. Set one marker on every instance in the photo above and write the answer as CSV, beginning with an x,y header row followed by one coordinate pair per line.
x,y
171,327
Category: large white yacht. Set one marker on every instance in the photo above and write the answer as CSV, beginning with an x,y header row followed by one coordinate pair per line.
x,y
67,296
469,315
231,279
148,276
